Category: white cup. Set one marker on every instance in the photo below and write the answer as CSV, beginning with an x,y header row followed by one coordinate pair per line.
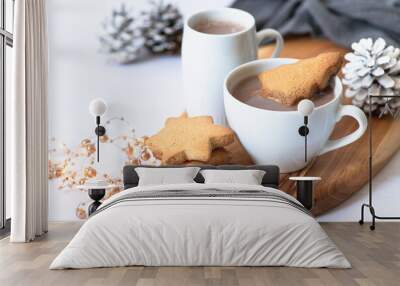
x,y
272,137
207,58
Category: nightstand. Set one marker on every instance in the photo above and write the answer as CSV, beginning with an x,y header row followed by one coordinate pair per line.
x,y
96,193
305,193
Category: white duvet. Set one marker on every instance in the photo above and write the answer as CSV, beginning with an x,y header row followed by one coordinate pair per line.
x,y
200,231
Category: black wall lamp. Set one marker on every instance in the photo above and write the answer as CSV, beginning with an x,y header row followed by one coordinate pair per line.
x,y
305,107
97,108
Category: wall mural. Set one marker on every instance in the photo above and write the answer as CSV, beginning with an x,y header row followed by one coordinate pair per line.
x,y
127,55
146,119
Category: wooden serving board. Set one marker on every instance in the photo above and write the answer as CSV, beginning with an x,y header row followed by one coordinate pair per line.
x,y
343,171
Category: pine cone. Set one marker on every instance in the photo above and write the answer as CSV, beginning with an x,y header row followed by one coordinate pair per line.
x,y
373,68
163,26
122,37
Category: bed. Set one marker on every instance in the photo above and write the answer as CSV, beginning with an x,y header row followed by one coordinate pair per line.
x,y
198,224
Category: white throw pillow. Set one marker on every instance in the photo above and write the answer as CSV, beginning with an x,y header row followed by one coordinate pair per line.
x,y
165,176
248,177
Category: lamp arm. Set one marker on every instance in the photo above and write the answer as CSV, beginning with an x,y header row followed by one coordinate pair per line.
x,y
305,146
303,131
98,146
305,137
100,131
98,138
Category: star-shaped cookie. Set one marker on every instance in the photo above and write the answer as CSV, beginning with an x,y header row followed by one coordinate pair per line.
x,y
218,156
188,138
288,84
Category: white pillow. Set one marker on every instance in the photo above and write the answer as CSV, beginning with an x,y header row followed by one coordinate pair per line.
x,y
248,177
165,176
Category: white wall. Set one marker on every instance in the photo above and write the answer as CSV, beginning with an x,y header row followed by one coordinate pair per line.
x,y
386,196
144,93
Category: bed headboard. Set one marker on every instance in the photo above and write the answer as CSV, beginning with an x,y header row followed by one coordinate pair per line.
x,y
271,177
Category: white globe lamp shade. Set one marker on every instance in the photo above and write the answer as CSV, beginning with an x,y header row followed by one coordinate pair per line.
x,y
305,107
97,107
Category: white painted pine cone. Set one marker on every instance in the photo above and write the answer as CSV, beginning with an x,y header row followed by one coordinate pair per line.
x,y
372,67
122,36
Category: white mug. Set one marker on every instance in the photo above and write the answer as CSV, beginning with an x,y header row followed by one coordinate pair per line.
x,y
272,137
207,58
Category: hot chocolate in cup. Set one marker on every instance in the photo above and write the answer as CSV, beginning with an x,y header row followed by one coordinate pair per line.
x,y
214,42
249,91
269,131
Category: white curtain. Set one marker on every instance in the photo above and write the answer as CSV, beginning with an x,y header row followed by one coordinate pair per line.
x,y
27,123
